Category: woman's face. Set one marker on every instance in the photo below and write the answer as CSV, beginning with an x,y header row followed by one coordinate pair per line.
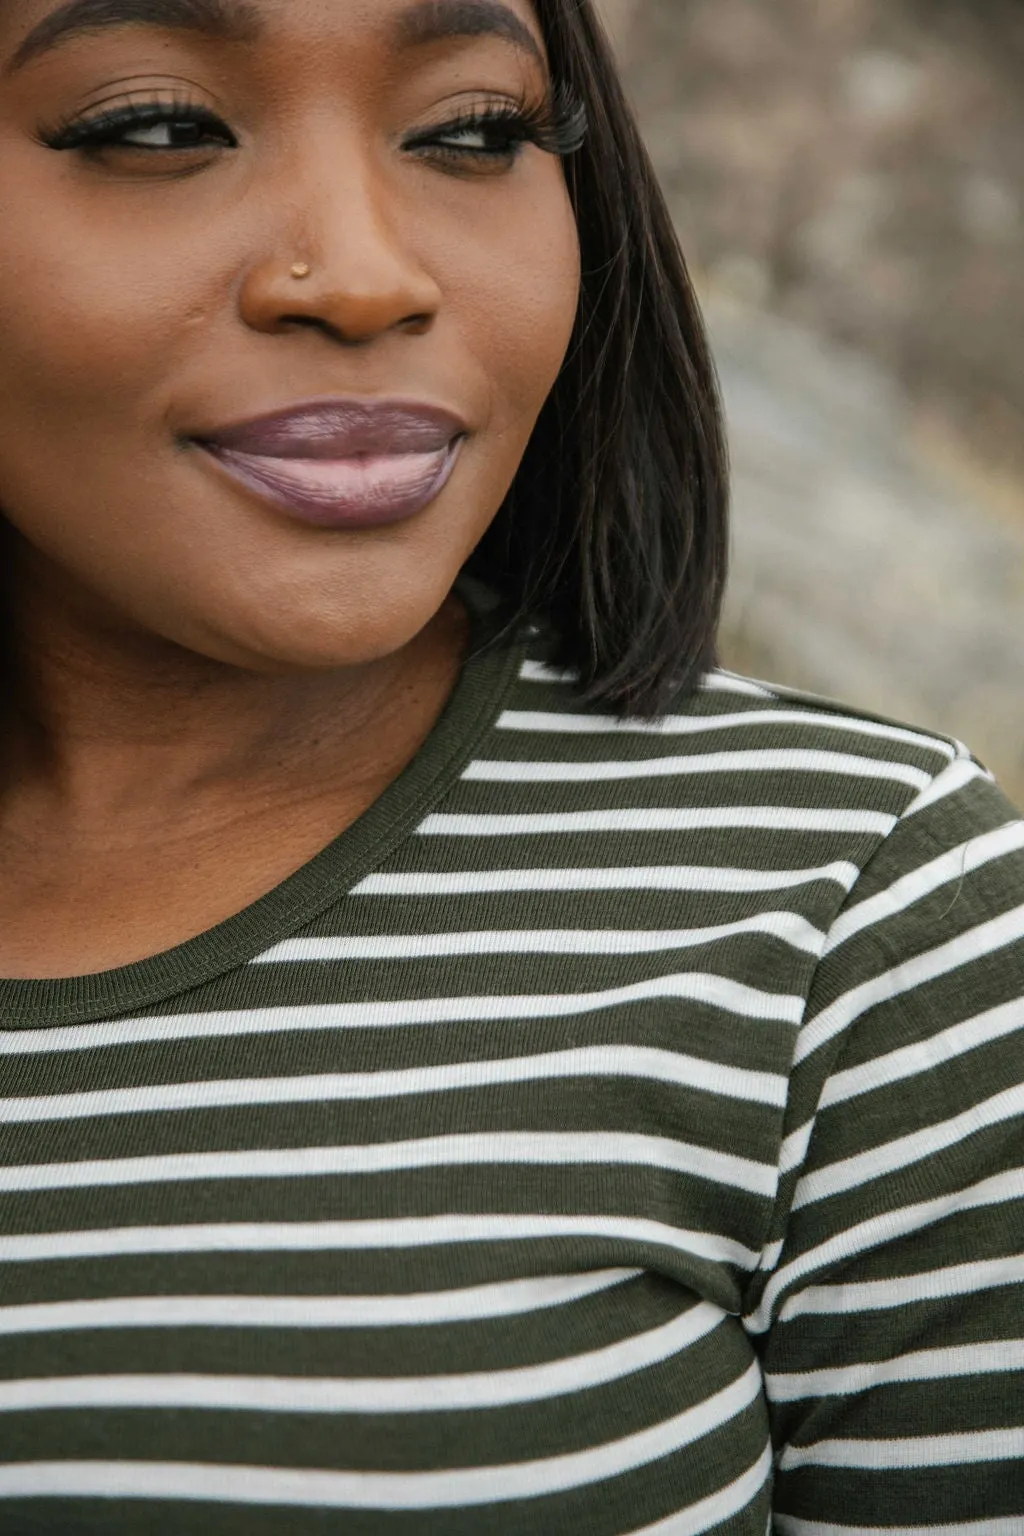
x,y
163,166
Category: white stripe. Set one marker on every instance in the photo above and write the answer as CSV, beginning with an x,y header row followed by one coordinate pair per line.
x,y
886,1228
446,1489
415,1309
729,682
926,1055
781,760
977,942
362,1236
717,681
789,927
903,893
654,877
693,725
790,1525
696,986
906,1290
775,818
718,1507
537,672
952,779
641,1062
904,1151
771,1253
794,1148
920,1451
921,1365
367,1395
503,1149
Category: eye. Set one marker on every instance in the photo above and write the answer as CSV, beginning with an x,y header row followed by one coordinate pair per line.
x,y
179,133
154,127
478,139
495,133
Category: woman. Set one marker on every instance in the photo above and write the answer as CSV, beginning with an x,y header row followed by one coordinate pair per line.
x,y
468,1064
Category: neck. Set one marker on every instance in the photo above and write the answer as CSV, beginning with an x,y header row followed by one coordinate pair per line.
x,y
119,729
152,794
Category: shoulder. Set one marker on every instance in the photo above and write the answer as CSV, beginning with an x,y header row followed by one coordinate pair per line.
x,y
738,727
785,778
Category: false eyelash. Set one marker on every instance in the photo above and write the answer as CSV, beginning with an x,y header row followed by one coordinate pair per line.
x,y
560,124
556,125
92,132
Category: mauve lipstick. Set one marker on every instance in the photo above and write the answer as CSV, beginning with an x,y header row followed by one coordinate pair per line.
x,y
345,463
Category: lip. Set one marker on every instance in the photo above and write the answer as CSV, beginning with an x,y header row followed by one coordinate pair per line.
x,y
343,463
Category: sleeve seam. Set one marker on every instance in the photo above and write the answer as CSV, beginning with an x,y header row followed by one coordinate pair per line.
x,y
833,1052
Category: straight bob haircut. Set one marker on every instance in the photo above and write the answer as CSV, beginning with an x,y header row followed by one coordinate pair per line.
x,y
614,534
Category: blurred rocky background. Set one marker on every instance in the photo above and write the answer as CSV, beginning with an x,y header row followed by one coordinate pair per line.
x,y
847,177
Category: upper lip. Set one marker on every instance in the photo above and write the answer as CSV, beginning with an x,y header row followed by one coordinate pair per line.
x,y
341,429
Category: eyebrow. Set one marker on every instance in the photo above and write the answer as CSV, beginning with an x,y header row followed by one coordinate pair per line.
x,y
231,20
429,21
433,21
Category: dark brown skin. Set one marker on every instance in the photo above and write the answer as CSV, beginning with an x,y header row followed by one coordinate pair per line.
x,y
219,691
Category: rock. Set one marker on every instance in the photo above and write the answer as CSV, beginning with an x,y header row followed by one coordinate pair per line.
x,y
858,571
856,171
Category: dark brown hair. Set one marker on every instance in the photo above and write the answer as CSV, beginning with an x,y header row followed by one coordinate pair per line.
x,y
615,531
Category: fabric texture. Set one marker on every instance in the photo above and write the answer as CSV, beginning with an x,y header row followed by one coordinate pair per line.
x,y
619,1130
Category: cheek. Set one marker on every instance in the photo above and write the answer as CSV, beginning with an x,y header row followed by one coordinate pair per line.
x,y
516,286
88,311
75,373
76,345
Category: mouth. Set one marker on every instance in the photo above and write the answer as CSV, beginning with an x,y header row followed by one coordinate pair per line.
x,y
344,464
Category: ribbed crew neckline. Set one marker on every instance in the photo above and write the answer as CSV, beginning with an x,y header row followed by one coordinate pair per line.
x,y
485,680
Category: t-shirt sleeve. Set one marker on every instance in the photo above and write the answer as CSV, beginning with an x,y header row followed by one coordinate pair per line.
x,y
889,1308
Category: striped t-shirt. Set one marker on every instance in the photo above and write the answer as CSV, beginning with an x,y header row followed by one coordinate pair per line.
x,y
618,1129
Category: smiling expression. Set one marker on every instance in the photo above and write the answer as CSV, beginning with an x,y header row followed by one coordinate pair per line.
x,y
164,165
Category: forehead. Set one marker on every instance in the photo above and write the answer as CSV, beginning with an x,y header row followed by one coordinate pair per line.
x,y
36,27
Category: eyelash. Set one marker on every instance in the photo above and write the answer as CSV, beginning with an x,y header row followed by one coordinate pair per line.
x,y
557,125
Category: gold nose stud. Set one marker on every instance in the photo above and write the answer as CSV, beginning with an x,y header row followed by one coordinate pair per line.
x,y
301,270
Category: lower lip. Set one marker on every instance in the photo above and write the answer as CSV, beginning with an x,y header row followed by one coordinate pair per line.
x,y
369,492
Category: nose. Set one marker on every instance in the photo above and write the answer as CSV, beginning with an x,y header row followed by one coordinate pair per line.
x,y
338,217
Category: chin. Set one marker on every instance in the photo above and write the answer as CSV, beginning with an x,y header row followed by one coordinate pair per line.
x,y
311,641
